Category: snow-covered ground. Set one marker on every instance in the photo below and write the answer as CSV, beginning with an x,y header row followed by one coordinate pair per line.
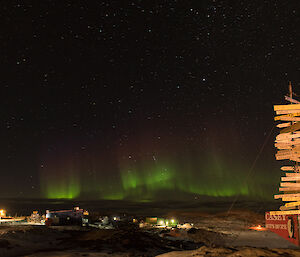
x,y
214,234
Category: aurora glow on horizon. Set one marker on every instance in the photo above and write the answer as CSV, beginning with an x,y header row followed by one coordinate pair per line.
x,y
151,180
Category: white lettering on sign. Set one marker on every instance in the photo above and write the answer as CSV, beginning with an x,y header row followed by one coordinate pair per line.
x,y
280,226
274,217
276,226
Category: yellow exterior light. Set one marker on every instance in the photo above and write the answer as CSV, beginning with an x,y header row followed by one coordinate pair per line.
x,y
2,213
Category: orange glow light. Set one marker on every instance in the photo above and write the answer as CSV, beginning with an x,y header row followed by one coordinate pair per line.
x,y
258,228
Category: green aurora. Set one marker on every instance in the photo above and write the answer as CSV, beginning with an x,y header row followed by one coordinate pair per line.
x,y
150,181
68,189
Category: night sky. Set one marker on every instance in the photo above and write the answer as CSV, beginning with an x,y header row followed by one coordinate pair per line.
x,y
143,100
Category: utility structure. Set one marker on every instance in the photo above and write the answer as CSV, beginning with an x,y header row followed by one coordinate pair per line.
x,y
285,221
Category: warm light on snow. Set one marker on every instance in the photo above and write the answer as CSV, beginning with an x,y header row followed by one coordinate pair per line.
x,y
258,228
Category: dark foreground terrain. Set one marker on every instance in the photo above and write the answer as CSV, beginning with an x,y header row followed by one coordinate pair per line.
x,y
215,232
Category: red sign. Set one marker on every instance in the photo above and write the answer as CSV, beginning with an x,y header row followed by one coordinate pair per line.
x,y
284,225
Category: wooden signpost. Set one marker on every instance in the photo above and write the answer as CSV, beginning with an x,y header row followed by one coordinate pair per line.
x,y
292,128
283,125
287,143
290,178
286,196
287,168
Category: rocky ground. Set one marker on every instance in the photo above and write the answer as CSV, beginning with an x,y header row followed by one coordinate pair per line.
x,y
222,234
43,241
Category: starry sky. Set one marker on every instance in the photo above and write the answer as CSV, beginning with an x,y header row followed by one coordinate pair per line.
x,y
143,100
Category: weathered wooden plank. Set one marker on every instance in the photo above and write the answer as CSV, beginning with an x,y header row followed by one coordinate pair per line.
x,y
294,159
288,153
287,208
290,185
292,204
287,115
290,199
284,212
292,174
293,151
287,141
286,118
291,128
290,178
286,107
283,141
284,152
283,125
283,146
285,136
286,195
288,145
281,158
288,157
292,100
289,189
286,112
291,157
286,168
295,146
